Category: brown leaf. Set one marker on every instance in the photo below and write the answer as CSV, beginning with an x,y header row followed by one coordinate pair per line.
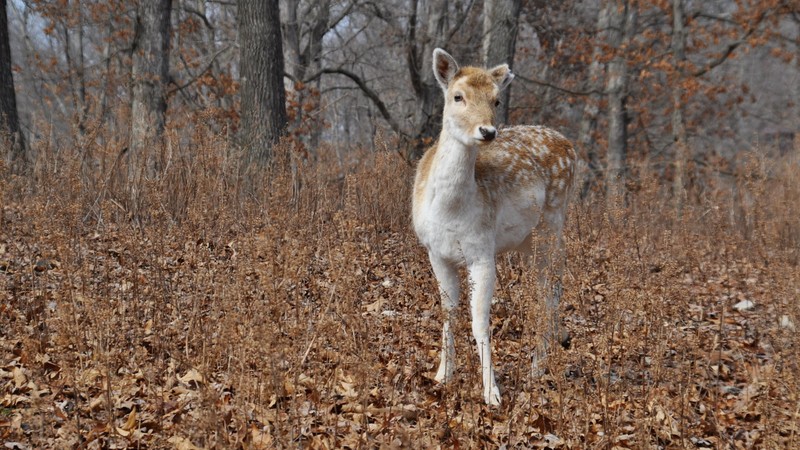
x,y
182,443
19,377
130,424
260,437
192,378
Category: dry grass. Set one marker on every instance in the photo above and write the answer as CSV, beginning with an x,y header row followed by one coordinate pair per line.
x,y
237,314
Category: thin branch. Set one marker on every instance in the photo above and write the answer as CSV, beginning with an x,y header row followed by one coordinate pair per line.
x,y
705,15
556,87
195,77
720,59
731,47
460,20
197,13
412,51
338,88
371,94
345,12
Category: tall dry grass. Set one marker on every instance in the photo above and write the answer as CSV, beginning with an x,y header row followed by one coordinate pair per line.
x,y
244,307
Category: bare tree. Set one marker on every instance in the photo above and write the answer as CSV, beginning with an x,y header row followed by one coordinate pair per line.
x,y
499,42
75,61
305,26
9,121
422,37
150,74
621,19
678,126
591,109
426,25
263,107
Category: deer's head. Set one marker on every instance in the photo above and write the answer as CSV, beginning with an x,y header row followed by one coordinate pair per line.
x,y
470,97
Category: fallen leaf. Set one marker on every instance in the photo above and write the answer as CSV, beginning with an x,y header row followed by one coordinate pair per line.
x,y
130,424
192,378
182,443
19,377
261,437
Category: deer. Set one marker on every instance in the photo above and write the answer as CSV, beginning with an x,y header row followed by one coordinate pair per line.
x,y
480,191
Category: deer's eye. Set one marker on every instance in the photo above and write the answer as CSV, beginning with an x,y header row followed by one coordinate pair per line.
x,y
458,98
497,103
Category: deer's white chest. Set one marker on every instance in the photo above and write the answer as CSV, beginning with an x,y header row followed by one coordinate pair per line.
x,y
451,225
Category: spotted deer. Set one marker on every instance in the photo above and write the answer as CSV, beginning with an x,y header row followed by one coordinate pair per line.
x,y
479,192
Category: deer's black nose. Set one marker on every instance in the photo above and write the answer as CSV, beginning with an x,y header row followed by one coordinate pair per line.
x,y
488,133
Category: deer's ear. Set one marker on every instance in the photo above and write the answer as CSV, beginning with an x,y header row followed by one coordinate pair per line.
x,y
444,67
502,76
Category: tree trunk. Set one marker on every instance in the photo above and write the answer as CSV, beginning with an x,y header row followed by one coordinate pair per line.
x,y
621,21
9,121
588,124
303,57
150,74
431,24
499,42
678,127
263,98
76,67
428,118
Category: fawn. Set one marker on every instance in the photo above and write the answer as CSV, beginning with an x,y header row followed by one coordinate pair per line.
x,y
479,192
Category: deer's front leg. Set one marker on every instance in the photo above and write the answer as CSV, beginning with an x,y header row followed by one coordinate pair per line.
x,y
482,277
449,290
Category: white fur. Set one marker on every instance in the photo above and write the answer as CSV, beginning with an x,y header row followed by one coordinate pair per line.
x,y
461,222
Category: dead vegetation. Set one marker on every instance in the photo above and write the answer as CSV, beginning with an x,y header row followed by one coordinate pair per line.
x,y
236,314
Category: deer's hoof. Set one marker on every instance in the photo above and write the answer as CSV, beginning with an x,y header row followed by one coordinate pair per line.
x,y
565,339
443,375
492,396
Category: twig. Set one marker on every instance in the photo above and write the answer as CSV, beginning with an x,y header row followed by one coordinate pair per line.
x,y
558,88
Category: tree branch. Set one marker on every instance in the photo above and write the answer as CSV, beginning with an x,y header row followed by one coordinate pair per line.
x,y
345,12
371,94
720,59
556,87
412,51
194,78
460,20
197,13
732,46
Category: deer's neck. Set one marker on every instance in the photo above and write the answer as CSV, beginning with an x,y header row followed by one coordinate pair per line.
x,y
453,174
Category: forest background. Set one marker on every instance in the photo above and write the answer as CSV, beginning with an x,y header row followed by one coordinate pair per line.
x,y
205,237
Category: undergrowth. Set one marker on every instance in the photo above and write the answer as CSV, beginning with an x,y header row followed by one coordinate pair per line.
x,y
265,307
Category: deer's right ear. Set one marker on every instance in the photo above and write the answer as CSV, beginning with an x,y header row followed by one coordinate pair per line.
x,y
444,67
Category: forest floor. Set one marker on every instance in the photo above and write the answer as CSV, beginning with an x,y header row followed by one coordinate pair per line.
x,y
233,316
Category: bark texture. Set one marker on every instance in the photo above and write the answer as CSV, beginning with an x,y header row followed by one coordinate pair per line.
x,y
500,27
588,125
303,31
622,17
150,75
678,126
9,120
428,118
263,107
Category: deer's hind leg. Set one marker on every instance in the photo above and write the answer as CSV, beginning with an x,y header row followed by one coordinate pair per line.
x,y
547,254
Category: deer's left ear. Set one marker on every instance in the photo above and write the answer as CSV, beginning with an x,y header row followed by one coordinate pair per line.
x,y
502,76
444,67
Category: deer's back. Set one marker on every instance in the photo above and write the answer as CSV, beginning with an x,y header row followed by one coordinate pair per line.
x,y
524,157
